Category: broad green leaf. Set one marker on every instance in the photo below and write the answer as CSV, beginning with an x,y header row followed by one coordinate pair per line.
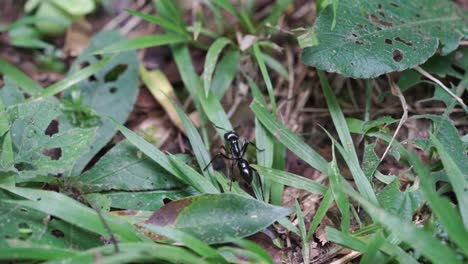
x,y
218,218
289,139
146,200
138,252
111,93
58,205
141,43
210,62
189,241
19,223
419,239
22,80
125,168
403,204
76,7
225,72
29,122
375,37
57,21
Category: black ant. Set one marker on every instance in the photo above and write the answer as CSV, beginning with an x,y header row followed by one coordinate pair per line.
x,y
237,152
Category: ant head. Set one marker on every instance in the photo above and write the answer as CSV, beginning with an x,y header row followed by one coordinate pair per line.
x,y
231,135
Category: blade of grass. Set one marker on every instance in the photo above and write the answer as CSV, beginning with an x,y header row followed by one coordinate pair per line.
x,y
59,205
289,139
302,232
361,245
225,72
143,42
265,75
419,239
135,253
336,185
210,62
215,112
247,244
350,156
286,223
290,179
34,252
441,207
325,204
22,80
164,23
189,241
195,179
73,79
372,250
276,66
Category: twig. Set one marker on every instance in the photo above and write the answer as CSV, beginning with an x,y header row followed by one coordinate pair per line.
x,y
347,258
464,43
432,78
396,91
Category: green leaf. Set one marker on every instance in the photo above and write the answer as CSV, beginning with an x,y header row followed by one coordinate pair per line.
x,y
210,62
403,204
29,122
142,42
218,218
227,69
111,93
275,65
266,77
76,7
325,204
289,139
32,227
215,112
375,37
447,65
58,205
419,239
125,168
370,161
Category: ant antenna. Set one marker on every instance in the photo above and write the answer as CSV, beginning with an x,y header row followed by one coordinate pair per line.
x,y
221,128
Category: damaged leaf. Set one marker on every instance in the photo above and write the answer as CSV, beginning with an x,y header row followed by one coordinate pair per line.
x,y
375,37
218,218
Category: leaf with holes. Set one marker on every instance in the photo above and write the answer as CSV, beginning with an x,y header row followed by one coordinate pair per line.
x,y
109,93
400,203
218,218
125,168
37,153
375,37
31,226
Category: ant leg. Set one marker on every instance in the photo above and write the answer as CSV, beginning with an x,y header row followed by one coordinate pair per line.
x,y
253,144
231,175
219,155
